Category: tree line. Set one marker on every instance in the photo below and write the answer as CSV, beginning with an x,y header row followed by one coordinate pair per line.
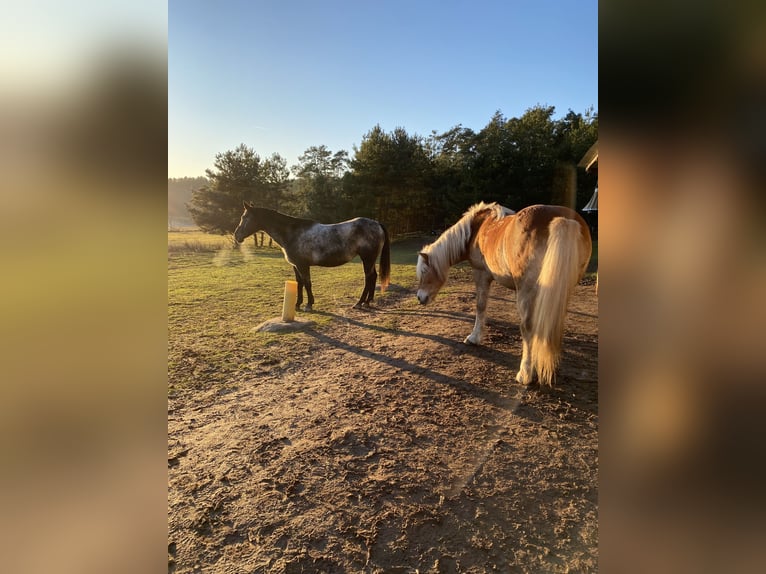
x,y
409,182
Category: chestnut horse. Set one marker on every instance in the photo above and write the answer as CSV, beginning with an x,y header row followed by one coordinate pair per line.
x,y
305,242
541,252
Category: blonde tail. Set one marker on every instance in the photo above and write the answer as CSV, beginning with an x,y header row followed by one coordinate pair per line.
x,y
560,272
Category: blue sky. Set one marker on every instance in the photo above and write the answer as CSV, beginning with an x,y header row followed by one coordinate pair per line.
x,y
283,75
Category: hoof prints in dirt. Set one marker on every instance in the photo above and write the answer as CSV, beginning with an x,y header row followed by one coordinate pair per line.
x,y
392,447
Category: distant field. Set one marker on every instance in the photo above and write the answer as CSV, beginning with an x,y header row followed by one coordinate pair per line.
x,y
196,240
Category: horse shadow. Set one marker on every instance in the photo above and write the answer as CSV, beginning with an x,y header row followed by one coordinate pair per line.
x,y
583,394
492,397
455,346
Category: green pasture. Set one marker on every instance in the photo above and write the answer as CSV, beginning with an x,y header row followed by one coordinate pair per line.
x,y
218,292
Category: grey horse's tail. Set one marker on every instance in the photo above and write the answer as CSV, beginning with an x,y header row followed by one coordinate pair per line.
x,y
385,261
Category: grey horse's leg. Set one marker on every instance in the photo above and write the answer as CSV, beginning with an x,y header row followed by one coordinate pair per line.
x,y
298,280
305,273
370,277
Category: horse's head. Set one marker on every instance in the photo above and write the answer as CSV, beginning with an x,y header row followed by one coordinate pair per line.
x,y
430,278
248,223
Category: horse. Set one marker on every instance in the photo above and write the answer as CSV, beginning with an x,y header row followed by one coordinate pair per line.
x,y
305,242
541,252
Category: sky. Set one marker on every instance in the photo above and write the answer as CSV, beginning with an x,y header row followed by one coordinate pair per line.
x,y
281,76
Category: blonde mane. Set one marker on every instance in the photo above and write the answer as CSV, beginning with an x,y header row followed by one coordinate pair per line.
x,y
451,245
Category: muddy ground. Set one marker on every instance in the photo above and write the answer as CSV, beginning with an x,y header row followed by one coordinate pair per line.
x,y
385,444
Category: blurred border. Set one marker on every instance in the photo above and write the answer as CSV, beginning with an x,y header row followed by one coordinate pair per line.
x,y
682,286
83,239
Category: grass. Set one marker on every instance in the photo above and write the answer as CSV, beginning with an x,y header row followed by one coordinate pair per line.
x,y
218,293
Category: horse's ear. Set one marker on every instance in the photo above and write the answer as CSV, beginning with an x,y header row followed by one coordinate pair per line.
x,y
247,205
424,255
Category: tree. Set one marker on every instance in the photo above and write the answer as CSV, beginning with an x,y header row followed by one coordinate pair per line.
x,y
533,156
319,184
237,176
576,134
408,182
453,154
492,171
390,180
526,160
275,178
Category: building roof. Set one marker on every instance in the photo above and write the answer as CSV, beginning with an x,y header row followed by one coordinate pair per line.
x,y
590,158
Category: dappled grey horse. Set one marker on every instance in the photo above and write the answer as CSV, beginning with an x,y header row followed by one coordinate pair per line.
x,y
305,243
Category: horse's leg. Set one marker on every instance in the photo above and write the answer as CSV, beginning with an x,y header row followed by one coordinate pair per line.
x,y
370,277
298,280
305,272
373,279
483,280
363,300
524,302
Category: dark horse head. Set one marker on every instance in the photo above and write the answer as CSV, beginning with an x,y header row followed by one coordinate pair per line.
x,y
249,223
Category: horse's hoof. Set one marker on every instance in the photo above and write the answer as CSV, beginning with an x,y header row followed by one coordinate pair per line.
x,y
308,308
526,379
469,341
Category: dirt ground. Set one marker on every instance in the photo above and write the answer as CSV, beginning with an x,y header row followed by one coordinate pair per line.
x,y
385,444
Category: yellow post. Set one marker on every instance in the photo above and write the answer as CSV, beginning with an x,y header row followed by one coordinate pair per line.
x,y
291,296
